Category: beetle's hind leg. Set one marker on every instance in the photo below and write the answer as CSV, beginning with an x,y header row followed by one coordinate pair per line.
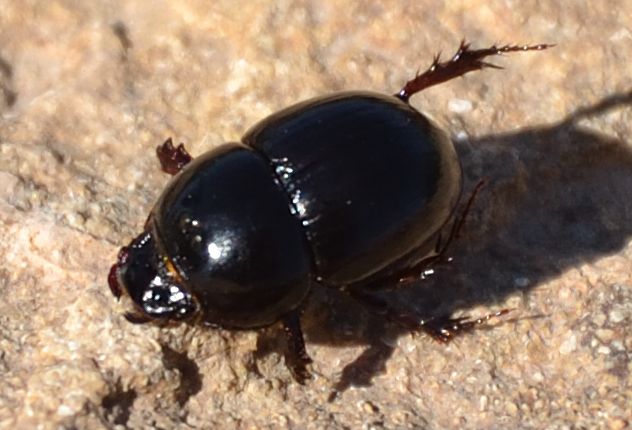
x,y
441,328
172,159
296,357
464,60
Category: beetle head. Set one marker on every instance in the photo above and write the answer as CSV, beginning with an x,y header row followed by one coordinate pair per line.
x,y
151,282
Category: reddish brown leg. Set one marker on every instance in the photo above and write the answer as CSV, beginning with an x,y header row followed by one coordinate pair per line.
x,y
465,60
296,357
137,318
424,269
440,328
444,329
115,288
113,282
172,159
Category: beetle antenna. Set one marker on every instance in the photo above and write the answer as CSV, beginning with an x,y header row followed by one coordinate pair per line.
x,y
465,60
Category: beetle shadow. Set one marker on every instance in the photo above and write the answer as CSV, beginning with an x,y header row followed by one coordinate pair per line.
x,y
557,196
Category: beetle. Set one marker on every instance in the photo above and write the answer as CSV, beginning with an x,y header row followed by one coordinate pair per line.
x,y
354,191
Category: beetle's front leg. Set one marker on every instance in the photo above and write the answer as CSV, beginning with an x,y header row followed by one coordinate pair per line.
x,y
137,318
296,357
172,159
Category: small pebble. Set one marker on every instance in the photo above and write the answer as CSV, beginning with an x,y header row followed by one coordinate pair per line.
x,y
616,316
459,105
482,403
617,423
569,345
511,408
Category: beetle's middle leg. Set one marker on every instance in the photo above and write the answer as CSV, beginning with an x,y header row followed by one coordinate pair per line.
x,y
172,159
423,268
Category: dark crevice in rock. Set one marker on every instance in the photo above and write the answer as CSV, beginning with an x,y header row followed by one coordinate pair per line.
x,y
118,404
6,70
122,33
190,377
6,75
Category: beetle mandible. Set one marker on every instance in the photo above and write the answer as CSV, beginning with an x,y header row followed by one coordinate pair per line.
x,y
353,191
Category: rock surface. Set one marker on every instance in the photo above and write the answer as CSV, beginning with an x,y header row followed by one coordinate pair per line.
x,y
88,89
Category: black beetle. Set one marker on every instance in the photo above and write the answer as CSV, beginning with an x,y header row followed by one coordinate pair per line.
x,y
353,191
